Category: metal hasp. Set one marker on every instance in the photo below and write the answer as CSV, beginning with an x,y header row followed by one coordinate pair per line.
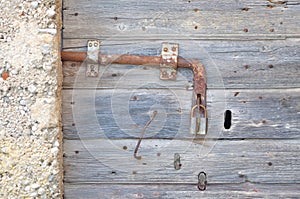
x,y
168,63
92,66
198,115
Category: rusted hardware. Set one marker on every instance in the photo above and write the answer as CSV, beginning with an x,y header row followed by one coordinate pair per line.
x,y
202,181
177,163
92,69
142,136
168,66
199,112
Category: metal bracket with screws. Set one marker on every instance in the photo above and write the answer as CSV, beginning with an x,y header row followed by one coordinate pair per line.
x,y
168,65
93,50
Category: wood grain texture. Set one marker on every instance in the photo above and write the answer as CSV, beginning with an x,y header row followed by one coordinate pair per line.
x,y
122,113
243,190
251,53
179,5
196,19
228,65
224,161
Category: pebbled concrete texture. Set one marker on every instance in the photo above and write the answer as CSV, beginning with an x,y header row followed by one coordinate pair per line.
x,y
30,99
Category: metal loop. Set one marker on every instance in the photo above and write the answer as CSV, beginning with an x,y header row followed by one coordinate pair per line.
x,y
200,106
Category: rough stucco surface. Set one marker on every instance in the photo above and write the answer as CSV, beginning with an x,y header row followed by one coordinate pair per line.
x,y
30,135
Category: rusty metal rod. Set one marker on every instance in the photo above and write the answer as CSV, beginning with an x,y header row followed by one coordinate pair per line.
x,y
195,65
142,136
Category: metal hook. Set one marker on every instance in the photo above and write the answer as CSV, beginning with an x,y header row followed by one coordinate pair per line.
x,y
142,136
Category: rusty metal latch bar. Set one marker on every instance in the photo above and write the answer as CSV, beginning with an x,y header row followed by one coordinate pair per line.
x,y
168,62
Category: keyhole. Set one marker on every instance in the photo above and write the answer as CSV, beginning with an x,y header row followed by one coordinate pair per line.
x,y
227,119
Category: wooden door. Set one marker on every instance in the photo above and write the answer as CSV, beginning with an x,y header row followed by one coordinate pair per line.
x,y
251,52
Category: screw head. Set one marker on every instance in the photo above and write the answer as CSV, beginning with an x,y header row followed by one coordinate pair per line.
x,y
165,49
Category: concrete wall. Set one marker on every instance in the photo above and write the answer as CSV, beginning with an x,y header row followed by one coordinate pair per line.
x,y
30,104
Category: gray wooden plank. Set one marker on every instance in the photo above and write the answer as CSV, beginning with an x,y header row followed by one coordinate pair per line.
x,y
245,64
224,161
178,5
122,113
180,17
243,190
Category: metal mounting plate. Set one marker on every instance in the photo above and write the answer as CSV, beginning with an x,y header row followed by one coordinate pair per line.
x,y
168,66
93,49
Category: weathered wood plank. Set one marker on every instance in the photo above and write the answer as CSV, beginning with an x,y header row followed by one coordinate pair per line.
x,y
224,161
250,48
244,190
122,113
228,65
180,17
179,5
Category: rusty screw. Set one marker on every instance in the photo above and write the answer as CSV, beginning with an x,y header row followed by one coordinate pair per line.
x,y
165,49
174,48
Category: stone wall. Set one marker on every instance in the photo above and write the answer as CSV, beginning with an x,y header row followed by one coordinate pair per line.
x,y
30,103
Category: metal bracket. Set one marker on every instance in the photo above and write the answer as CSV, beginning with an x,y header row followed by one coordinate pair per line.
x,y
168,65
93,50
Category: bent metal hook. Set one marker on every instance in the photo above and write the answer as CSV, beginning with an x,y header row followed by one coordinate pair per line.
x,y
169,61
